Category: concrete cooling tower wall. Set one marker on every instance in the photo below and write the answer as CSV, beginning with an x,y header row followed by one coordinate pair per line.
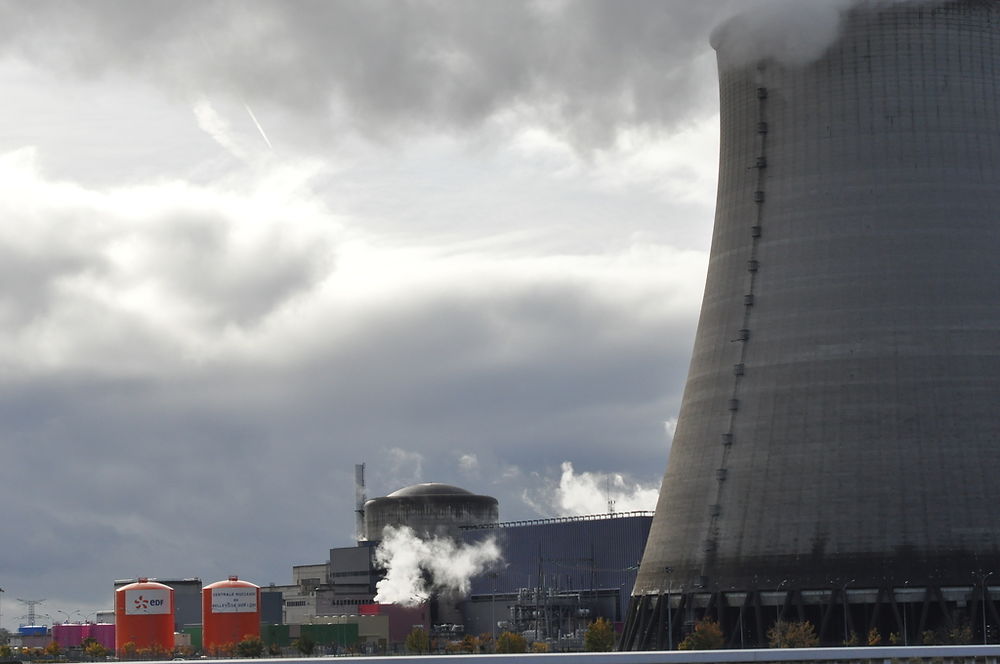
x,y
838,443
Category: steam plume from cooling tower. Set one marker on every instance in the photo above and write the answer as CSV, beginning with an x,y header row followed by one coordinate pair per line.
x,y
790,32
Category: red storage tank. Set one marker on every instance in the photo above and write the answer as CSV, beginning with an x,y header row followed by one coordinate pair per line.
x,y
230,612
144,616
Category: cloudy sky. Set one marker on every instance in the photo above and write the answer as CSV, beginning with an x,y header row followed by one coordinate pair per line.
x,y
245,246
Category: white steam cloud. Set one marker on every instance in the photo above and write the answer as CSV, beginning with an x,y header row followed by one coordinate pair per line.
x,y
416,568
590,493
791,32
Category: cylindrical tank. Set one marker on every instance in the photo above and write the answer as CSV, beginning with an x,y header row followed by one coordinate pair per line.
x,y
68,635
839,424
144,617
230,612
429,509
103,633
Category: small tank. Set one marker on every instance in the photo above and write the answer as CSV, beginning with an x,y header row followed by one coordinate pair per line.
x,y
230,613
144,618
429,509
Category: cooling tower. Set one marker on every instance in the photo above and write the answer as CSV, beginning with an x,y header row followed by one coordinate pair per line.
x,y
837,451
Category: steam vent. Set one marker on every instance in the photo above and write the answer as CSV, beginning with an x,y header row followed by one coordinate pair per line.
x,y
837,453
429,509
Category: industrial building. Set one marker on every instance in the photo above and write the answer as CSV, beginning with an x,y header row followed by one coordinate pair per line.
x,y
345,585
557,575
429,509
838,445
554,577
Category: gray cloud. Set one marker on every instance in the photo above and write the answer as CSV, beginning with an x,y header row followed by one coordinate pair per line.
x,y
172,475
199,352
585,69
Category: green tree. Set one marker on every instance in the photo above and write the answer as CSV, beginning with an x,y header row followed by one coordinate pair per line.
x,y
799,634
600,636
305,645
707,635
509,642
250,646
6,652
417,641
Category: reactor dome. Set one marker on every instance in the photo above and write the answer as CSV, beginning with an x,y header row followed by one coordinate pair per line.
x,y
429,509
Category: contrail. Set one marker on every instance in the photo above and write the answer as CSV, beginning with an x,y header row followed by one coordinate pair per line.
x,y
259,128
211,54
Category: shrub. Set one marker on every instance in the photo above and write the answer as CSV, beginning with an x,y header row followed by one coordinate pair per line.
x,y
600,636
800,634
508,643
707,635
305,645
250,646
417,641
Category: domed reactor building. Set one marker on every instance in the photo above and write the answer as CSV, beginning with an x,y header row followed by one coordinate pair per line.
x,y
837,452
430,509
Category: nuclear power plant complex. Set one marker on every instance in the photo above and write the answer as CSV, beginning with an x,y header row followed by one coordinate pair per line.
x,y
837,452
836,458
546,579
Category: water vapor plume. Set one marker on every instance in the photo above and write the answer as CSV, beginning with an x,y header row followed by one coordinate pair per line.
x,y
416,568
790,32
580,494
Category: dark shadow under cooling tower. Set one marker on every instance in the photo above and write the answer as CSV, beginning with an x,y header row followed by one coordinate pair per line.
x,y
837,452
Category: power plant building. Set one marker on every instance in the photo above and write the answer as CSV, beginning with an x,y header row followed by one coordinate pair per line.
x,y
557,575
554,577
429,509
837,449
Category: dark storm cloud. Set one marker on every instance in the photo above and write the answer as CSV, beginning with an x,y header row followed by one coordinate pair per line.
x,y
587,69
175,475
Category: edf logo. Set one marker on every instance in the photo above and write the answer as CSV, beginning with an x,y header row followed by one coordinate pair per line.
x,y
142,603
